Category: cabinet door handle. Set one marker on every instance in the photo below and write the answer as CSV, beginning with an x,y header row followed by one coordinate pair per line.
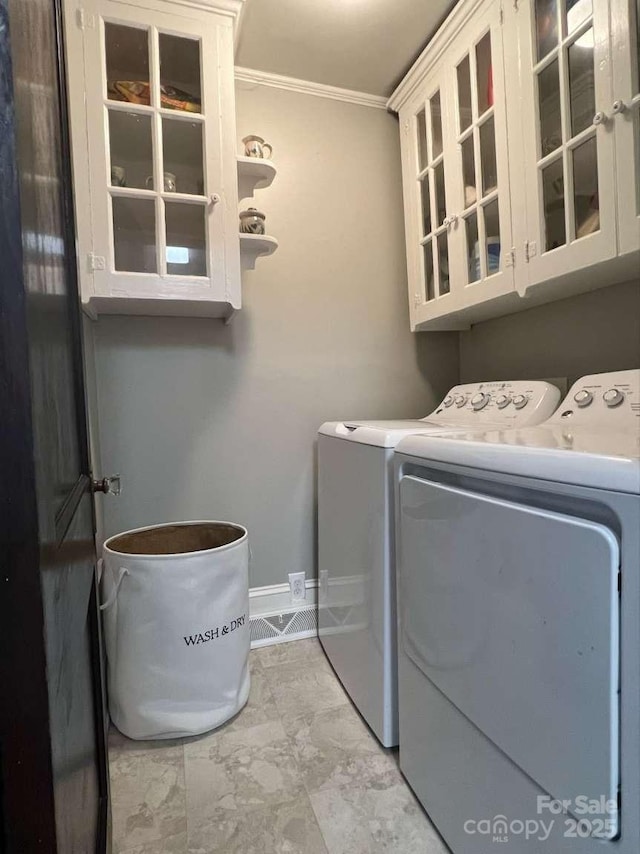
x,y
214,198
621,106
600,118
446,221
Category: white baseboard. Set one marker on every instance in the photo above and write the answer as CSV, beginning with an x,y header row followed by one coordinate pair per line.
x,y
276,598
274,618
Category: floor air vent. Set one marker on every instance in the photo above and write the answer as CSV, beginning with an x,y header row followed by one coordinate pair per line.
x,y
279,628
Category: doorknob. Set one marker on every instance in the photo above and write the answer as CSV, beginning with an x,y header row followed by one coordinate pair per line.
x,y
108,485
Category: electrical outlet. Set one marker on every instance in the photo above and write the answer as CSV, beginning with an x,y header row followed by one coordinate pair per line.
x,y
297,586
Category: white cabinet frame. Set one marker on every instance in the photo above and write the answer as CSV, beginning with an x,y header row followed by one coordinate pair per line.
x,y
625,110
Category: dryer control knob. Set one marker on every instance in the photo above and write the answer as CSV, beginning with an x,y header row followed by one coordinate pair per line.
x,y
460,400
613,397
502,400
480,400
448,400
520,401
583,397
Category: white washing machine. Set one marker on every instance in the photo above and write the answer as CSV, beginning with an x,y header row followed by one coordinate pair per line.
x,y
357,593
519,626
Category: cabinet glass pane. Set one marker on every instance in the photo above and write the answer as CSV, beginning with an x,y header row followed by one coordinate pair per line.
x,y
577,13
585,188
492,239
131,150
186,239
473,252
469,171
180,79
464,94
553,200
441,201
182,153
436,126
546,26
581,83
443,264
427,254
484,73
488,157
549,107
134,235
127,57
421,130
426,205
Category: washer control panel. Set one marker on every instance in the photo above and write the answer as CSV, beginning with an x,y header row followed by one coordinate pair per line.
x,y
514,403
611,399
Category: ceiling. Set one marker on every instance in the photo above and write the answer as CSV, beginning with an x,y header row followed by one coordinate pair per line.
x,y
366,45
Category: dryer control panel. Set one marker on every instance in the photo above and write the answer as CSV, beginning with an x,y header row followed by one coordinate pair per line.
x,y
599,400
508,403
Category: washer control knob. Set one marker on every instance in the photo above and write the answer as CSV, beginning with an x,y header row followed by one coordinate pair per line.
x,y
502,400
613,397
448,400
460,400
480,400
520,401
583,397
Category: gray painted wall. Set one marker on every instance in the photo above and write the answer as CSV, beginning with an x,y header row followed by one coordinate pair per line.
x,y
590,333
208,421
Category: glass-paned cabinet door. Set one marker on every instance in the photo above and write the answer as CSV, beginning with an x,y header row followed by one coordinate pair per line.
x,y
481,214
153,127
428,225
625,15
565,116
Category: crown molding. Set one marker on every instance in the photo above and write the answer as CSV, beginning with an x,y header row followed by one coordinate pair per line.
x,y
230,8
434,49
307,87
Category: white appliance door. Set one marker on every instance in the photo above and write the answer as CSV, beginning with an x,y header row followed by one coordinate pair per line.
x,y
513,613
356,596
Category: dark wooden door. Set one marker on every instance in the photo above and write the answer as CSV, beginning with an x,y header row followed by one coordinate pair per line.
x,y
53,771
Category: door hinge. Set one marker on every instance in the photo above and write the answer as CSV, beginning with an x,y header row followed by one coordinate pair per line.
x,y
530,250
85,21
515,4
95,262
510,257
501,14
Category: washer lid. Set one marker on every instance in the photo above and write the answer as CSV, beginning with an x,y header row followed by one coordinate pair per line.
x,y
471,406
384,434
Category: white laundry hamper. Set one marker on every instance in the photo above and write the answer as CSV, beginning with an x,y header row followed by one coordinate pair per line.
x,y
175,603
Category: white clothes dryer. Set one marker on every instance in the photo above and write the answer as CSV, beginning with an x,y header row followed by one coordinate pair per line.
x,y
519,628
357,588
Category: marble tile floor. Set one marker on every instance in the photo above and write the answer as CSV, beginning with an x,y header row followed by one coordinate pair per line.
x,y
296,772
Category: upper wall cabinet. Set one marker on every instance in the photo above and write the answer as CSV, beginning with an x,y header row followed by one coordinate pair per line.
x,y
152,114
540,195
456,179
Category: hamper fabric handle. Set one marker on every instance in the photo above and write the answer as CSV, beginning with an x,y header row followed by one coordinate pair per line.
x,y
114,593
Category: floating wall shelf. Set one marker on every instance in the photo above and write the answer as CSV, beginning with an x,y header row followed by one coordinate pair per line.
x,y
254,173
252,246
